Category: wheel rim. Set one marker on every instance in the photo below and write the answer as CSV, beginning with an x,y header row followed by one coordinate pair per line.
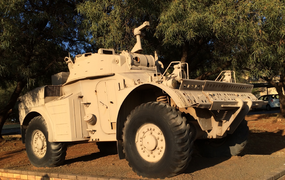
x,y
39,144
150,142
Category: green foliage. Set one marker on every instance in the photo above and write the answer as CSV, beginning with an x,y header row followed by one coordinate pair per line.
x,y
241,34
110,23
250,34
35,35
218,28
268,34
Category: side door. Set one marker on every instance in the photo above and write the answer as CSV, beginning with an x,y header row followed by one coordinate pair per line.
x,y
107,104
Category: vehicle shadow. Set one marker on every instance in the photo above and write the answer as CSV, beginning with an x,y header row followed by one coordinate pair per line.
x,y
12,153
257,117
264,111
265,143
85,158
81,156
198,163
259,143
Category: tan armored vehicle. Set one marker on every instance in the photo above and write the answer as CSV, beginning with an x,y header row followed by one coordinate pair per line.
x,y
156,118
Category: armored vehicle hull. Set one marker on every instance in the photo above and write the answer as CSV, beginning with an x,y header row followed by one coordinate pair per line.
x,y
155,118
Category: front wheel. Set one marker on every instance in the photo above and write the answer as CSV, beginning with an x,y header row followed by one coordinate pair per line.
x,y
40,151
156,141
231,145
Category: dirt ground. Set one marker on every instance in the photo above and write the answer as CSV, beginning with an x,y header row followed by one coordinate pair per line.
x,y
264,153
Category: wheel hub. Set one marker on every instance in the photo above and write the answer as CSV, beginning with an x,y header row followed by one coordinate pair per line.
x,y
39,145
150,142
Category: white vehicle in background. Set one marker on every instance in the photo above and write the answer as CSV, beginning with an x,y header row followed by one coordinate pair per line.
x,y
272,99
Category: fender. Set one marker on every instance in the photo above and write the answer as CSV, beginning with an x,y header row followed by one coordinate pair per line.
x,y
179,100
43,112
128,100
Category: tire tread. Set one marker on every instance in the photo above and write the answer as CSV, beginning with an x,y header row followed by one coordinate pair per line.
x,y
179,128
57,150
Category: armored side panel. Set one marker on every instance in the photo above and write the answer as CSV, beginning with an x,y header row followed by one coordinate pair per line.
x,y
36,98
66,114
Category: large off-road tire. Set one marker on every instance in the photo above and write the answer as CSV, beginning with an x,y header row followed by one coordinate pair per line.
x,y
156,140
41,152
107,147
231,145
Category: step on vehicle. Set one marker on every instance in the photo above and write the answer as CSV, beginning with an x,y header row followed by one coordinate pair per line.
x,y
155,118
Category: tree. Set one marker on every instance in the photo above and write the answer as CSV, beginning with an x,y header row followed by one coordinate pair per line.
x,y
110,23
209,35
203,33
35,35
268,49
4,94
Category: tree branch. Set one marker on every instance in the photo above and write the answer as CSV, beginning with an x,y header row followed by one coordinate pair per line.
x,y
219,69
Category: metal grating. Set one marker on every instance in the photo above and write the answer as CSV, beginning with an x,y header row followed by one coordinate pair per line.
x,y
199,85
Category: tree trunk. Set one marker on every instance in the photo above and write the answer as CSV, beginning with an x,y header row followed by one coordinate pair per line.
x,y
279,88
185,49
282,104
7,110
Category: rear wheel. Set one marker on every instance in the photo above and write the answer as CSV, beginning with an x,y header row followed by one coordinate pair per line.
x,y
40,151
231,145
156,141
